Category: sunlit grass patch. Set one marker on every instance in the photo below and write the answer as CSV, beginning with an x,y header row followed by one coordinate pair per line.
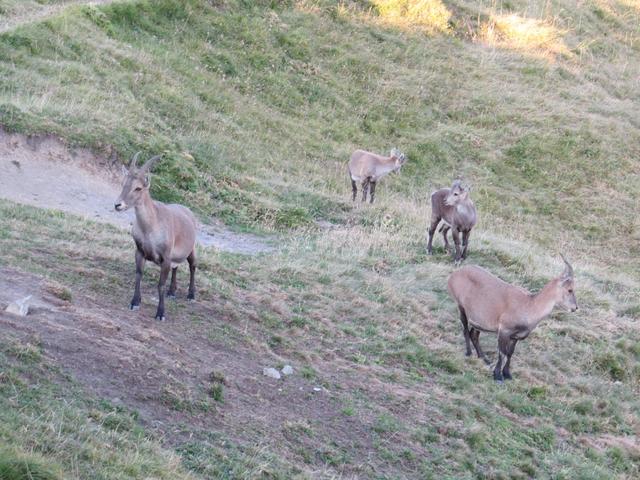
x,y
527,35
431,15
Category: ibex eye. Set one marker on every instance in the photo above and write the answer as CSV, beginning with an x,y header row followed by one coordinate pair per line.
x,y
138,189
570,291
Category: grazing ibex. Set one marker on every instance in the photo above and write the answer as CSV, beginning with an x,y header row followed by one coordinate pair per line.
x,y
164,234
370,167
487,304
457,212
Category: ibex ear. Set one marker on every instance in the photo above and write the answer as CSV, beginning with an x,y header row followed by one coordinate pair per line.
x,y
125,171
147,180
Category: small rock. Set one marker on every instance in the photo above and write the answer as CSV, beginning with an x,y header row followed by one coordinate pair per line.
x,y
19,307
287,370
317,389
271,372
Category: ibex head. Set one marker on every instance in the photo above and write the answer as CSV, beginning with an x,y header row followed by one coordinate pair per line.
x,y
136,183
459,193
399,158
565,287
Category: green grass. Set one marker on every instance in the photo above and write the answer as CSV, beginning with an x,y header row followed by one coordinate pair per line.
x,y
51,429
257,106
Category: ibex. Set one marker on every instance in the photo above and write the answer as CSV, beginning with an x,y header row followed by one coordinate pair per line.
x,y
368,168
164,234
487,304
458,214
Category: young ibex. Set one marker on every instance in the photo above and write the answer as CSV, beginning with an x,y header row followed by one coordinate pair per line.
x,y
458,214
164,234
487,304
370,167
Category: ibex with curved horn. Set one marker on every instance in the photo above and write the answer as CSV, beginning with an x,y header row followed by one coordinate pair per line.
x,y
368,168
487,304
164,234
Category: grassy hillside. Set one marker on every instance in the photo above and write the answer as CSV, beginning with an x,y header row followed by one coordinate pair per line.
x,y
257,106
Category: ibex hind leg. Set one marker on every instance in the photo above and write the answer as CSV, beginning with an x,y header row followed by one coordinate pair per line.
x,y
475,339
192,275
431,232
354,190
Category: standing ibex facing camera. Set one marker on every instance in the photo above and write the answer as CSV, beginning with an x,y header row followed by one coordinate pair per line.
x,y
164,234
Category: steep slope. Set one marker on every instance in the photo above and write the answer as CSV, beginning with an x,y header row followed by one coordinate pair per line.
x,y
257,106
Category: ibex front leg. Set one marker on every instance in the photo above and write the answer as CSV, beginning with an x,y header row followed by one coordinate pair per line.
x,y
456,239
465,242
192,275
165,267
173,285
140,261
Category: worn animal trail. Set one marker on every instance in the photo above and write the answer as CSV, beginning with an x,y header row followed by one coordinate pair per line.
x,y
44,172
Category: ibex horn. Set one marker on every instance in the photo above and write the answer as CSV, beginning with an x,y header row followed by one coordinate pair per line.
x,y
568,269
149,163
134,160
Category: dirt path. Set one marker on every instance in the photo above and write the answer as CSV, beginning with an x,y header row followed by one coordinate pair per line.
x,y
43,172
42,12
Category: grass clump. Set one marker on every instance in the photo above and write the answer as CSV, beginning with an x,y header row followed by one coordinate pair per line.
x,y
23,467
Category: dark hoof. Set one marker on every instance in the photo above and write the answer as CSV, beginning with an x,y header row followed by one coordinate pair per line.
x,y
134,307
160,318
486,361
507,376
467,354
191,296
171,294
498,377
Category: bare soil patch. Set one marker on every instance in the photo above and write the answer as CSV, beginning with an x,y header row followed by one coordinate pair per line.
x,y
163,370
43,172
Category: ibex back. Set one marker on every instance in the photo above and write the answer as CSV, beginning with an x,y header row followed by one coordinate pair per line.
x,y
164,234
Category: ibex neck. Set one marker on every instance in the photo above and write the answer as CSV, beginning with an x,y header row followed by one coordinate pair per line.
x,y
387,165
542,303
146,214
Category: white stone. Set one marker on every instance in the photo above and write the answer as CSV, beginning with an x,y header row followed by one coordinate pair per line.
x,y
287,370
19,307
271,372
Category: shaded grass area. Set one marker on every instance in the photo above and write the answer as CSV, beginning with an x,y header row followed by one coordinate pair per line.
x,y
385,321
